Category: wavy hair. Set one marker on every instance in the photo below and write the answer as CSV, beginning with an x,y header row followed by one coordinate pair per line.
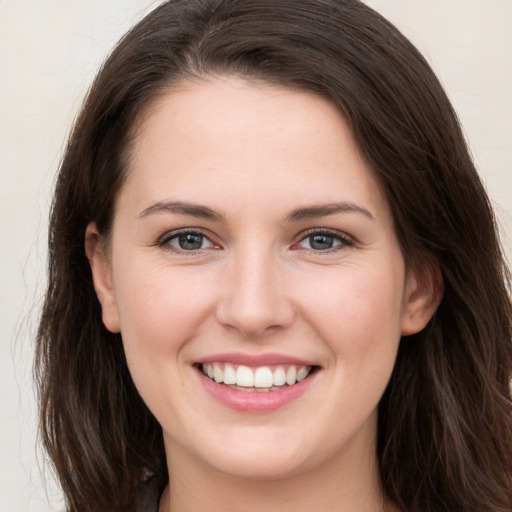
x,y
444,426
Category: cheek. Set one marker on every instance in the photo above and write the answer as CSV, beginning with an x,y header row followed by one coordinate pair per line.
x,y
357,293
357,312
160,314
160,309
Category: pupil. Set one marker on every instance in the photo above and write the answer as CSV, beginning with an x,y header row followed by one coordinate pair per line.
x,y
321,242
190,241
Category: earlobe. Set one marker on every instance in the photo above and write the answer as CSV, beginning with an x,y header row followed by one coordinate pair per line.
x,y
102,277
422,296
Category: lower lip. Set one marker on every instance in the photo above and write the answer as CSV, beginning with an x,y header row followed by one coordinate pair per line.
x,y
254,401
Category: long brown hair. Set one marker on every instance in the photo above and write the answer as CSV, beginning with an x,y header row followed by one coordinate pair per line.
x,y
445,427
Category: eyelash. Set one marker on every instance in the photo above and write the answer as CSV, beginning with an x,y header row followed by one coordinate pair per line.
x,y
165,241
344,240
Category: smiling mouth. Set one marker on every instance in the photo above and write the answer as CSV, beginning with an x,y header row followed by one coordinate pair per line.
x,y
262,379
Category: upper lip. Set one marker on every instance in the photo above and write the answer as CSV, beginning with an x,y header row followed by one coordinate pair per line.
x,y
255,359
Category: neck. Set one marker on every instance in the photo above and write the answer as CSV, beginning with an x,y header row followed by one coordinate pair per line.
x,y
342,484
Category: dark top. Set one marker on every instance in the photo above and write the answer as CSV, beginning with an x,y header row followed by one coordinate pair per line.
x,y
149,496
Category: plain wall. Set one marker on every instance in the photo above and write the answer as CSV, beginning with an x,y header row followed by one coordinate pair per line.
x,y
49,52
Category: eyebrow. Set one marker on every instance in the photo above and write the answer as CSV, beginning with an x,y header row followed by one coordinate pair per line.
x,y
182,208
322,210
302,213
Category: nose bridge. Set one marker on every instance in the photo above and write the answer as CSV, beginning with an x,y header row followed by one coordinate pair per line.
x,y
254,299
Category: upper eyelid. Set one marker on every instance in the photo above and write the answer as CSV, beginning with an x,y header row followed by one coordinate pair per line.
x,y
334,232
345,241
169,235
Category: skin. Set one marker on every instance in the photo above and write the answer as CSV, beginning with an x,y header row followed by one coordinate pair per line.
x,y
253,154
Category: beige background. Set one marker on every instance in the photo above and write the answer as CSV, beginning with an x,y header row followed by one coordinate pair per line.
x,y
49,51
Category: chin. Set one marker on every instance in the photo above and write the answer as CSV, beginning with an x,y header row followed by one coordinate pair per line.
x,y
264,455
261,468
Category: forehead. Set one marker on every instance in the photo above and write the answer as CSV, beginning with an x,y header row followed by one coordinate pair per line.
x,y
207,137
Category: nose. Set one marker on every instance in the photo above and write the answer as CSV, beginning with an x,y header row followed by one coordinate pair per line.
x,y
253,300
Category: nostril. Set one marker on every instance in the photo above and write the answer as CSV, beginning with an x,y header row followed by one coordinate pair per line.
x,y
255,318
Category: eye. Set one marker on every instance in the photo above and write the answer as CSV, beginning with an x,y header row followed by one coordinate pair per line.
x,y
186,241
324,241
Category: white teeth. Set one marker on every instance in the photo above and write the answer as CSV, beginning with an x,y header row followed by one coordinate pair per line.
x,y
262,378
244,377
279,377
218,374
291,376
229,375
302,373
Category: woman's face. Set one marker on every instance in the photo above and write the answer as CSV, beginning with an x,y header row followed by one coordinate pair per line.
x,y
252,242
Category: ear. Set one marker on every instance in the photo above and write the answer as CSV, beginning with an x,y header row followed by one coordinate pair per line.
x,y
422,295
102,277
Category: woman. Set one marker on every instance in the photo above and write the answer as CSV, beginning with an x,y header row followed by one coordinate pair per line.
x,y
275,279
